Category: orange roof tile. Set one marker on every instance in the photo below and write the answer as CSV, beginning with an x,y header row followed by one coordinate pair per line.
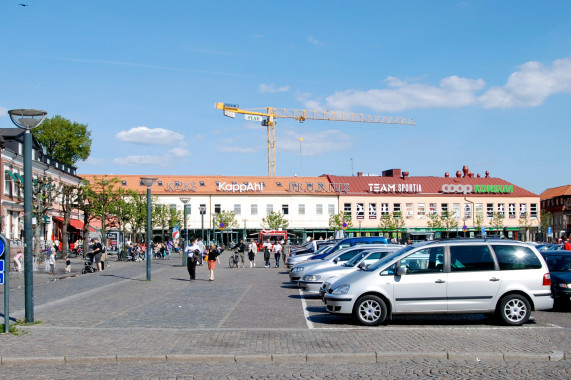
x,y
556,192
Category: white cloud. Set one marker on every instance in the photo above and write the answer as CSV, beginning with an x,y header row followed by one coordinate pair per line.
x,y
140,161
271,88
527,87
3,111
530,86
150,136
314,144
179,152
315,41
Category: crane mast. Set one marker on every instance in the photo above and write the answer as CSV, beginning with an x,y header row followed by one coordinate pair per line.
x,y
268,115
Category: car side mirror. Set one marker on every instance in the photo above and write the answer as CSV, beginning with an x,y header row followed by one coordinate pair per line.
x,y
401,270
362,265
336,260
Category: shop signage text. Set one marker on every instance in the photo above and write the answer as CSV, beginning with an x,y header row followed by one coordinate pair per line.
x,y
411,188
477,189
240,187
320,187
181,186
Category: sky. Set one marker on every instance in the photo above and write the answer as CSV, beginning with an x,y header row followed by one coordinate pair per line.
x,y
487,83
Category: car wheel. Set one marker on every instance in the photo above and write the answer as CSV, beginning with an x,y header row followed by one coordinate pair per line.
x,y
514,310
370,310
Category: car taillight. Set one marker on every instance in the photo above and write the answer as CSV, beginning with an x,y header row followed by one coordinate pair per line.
x,y
546,279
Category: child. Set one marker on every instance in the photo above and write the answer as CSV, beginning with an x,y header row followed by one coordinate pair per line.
x,y
52,262
67,265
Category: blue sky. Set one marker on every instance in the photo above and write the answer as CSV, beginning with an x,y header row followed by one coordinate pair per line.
x,y
488,84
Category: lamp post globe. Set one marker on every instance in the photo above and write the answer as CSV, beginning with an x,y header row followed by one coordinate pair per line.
x,y
28,119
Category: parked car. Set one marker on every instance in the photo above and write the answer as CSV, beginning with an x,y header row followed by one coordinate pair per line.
x,y
559,264
349,242
309,247
498,276
334,258
312,281
293,260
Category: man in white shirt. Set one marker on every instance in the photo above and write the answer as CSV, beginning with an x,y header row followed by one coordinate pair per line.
x,y
277,253
190,250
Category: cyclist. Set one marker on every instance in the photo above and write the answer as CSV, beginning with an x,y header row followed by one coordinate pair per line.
x,y
241,247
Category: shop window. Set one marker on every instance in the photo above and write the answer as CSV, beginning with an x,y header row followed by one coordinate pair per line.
x,y
319,209
285,209
522,210
409,211
432,209
501,210
467,211
301,209
269,209
420,211
443,208
372,211
480,209
237,209
397,208
384,209
511,210
330,209
254,209
456,210
360,210
533,210
347,210
490,210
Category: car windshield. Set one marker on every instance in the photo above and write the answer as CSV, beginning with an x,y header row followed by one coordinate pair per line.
x,y
558,263
388,258
321,251
355,260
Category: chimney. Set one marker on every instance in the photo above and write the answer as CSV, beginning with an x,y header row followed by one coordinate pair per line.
x,y
487,174
404,175
479,176
359,174
458,174
446,175
391,173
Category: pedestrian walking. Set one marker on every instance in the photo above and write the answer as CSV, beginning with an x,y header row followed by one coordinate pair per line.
x,y
97,252
192,257
267,252
18,260
213,258
277,248
252,251
241,252
52,262
286,251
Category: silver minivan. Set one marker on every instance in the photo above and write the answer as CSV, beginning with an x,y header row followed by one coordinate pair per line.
x,y
504,277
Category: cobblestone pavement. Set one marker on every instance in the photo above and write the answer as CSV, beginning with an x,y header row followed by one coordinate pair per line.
x,y
251,323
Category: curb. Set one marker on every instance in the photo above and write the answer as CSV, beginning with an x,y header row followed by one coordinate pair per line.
x,y
321,358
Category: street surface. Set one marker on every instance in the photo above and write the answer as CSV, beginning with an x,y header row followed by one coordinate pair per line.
x,y
252,323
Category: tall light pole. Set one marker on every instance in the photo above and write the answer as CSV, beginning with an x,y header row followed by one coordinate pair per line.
x,y
28,119
148,181
184,202
202,212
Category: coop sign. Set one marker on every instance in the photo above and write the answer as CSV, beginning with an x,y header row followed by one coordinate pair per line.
x,y
400,188
477,189
240,187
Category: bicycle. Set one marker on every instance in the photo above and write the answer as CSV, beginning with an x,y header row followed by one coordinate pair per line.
x,y
233,261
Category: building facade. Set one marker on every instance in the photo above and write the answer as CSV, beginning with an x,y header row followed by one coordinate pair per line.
x,y
557,201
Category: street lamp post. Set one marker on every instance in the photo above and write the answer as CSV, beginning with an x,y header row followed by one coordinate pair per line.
x,y
28,119
148,181
202,212
185,201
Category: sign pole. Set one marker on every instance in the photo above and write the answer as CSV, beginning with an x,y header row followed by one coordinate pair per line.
x,y
5,256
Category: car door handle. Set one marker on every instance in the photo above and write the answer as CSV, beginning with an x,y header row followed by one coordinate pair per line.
x,y
440,281
494,279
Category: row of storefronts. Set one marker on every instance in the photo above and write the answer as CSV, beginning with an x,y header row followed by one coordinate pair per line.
x,y
478,205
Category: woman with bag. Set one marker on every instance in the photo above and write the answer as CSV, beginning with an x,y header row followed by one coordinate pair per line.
x,y
252,250
267,252
212,259
191,259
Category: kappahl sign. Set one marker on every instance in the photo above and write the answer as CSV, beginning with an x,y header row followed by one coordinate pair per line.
x,y
240,187
477,189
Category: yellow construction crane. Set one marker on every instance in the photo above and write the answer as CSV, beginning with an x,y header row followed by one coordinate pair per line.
x,y
268,115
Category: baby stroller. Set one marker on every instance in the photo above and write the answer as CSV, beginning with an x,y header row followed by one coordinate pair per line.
x,y
89,268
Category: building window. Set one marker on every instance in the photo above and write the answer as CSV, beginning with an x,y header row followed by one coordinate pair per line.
x,y
254,209
8,189
269,209
319,209
501,210
409,210
511,210
443,208
480,209
301,209
396,208
331,209
217,209
490,210
237,209
372,211
420,211
384,209
456,210
347,210
432,209
467,211
360,210
522,210
533,210
285,209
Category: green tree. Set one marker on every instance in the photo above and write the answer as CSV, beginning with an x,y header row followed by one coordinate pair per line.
x,y
386,223
544,223
69,202
275,221
398,223
64,140
336,221
226,217
103,194
525,224
434,220
497,221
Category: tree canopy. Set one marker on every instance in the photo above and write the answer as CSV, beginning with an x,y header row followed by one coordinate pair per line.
x,y
64,140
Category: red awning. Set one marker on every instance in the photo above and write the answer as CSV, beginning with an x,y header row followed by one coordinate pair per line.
x,y
75,223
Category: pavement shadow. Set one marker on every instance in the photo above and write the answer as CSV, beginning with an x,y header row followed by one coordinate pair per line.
x,y
123,277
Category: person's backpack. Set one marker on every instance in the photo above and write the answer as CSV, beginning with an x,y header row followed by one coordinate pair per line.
x,y
103,249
